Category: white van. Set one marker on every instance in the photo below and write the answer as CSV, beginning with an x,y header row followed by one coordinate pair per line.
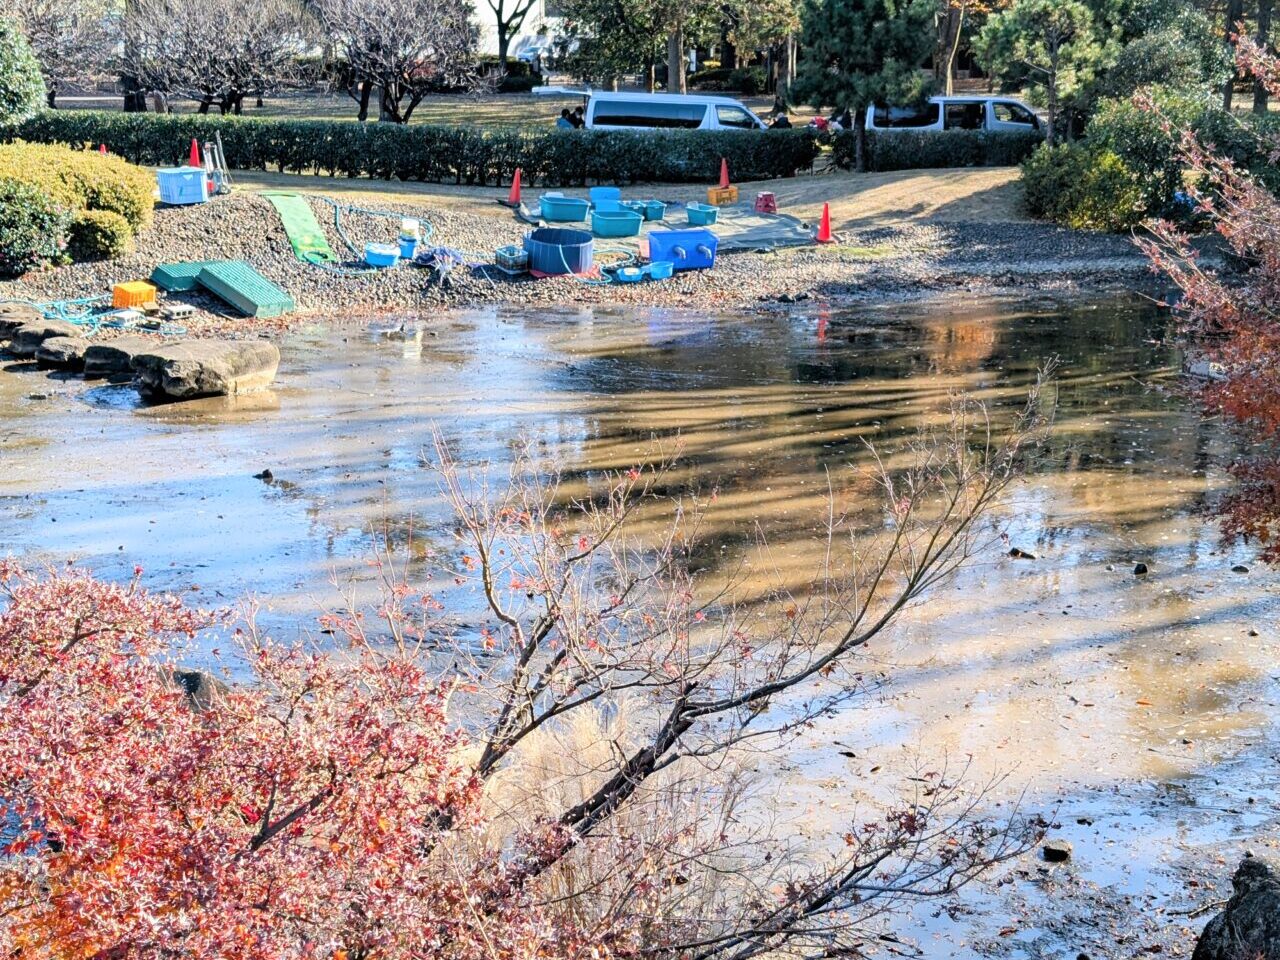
x,y
1001,114
667,111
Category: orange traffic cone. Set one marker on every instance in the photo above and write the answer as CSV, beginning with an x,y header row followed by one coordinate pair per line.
x,y
195,152
724,173
102,149
824,226
513,198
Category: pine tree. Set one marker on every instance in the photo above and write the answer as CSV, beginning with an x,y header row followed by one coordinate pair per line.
x,y
856,53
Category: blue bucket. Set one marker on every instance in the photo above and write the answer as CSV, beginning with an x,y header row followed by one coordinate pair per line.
x,y
661,270
408,248
557,250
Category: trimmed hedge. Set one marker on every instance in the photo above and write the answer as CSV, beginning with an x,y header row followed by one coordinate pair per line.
x,y
83,180
1083,187
32,228
431,153
924,149
99,235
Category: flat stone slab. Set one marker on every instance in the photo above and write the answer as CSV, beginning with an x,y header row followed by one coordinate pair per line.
x,y
25,340
64,352
201,368
113,358
15,315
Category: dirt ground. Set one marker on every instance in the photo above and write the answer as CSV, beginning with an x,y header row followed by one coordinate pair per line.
x,y
858,201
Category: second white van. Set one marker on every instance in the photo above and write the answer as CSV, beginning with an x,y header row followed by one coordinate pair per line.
x,y
668,111
1000,114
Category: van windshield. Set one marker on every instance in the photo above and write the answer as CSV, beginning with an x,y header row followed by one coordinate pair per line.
x,y
640,113
922,115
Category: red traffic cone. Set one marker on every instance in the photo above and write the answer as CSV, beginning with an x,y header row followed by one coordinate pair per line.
x,y
513,198
724,173
102,149
195,152
824,226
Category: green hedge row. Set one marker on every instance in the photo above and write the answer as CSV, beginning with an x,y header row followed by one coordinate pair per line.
x,y
924,149
436,154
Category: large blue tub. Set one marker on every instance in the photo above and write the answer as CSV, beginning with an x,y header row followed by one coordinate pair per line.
x,y
684,249
563,208
557,250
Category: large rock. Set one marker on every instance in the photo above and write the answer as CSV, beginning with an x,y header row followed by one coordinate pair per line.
x,y
1249,927
64,352
113,358
15,315
200,368
26,339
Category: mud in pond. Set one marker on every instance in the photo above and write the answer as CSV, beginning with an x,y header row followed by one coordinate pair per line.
x,y
1137,708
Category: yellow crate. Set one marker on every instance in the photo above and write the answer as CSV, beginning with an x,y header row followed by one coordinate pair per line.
x,y
719,196
132,294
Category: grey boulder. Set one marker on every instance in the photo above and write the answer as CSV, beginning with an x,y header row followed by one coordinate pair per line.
x,y
1249,927
201,368
15,315
111,358
26,339
66,353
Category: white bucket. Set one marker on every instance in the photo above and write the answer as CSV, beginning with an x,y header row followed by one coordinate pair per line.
x,y
410,229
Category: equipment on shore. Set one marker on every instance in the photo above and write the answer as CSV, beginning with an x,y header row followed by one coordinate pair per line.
x,y
684,249
554,251
766,202
558,208
245,289
134,293
701,214
616,223
382,255
182,186
824,226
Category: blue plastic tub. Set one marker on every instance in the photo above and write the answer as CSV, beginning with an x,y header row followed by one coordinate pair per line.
x,y
183,185
654,209
621,223
702,214
684,249
563,209
605,199
635,206
557,250
661,270
381,254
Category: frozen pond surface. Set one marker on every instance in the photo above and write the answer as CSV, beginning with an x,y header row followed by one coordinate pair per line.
x,y
1142,705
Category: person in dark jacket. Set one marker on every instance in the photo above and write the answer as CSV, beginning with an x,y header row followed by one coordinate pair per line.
x,y
780,122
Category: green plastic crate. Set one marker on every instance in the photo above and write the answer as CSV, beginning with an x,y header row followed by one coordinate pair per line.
x,y
245,289
180,277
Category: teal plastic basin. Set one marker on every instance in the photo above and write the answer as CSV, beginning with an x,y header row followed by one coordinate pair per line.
x,y
616,223
563,209
702,214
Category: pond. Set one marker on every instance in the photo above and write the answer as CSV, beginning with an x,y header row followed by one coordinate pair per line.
x,y
1086,683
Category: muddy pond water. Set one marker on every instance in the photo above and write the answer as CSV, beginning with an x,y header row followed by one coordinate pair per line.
x,y
1120,700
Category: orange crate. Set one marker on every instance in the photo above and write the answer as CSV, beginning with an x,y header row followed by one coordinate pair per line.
x,y
132,294
719,196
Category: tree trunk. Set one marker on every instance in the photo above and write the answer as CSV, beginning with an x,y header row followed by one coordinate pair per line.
x,y
504,44
205,103
860,139
1264,41
1235,10
728,51
782,93
675,62
650,80
955,26
366,91
51,96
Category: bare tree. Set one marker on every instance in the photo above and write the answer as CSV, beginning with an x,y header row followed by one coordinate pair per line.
x,y
72,39
215,52
404,49
509,17
587,625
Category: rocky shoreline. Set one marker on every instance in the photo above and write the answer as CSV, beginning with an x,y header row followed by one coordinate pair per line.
x,y
894,262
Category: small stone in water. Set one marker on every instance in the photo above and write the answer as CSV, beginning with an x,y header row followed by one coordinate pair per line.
x,y
1139,569
1056,851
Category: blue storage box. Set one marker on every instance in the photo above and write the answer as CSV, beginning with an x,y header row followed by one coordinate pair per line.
x,y
684,249
618,223
183,185
557,250
605,199
564,209
702,214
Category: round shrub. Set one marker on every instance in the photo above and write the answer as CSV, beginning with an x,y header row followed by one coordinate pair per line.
x,y
83,179
21,87
1082,187
99,235
33,228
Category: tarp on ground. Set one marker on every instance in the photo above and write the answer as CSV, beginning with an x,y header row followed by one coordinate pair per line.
x,y
738,226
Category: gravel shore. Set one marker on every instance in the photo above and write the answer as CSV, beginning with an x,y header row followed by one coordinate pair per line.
x,y
885,263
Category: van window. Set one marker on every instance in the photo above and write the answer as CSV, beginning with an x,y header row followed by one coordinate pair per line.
x,y
1013,113
924,115
640,113
964,116
735,117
